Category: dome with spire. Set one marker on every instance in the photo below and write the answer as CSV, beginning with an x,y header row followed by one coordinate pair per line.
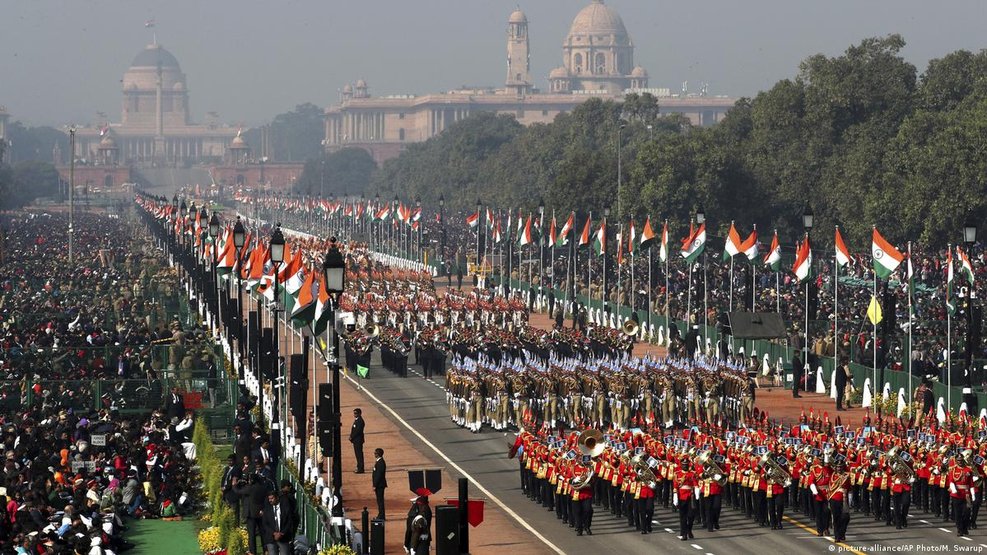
x,y
517,16
597,19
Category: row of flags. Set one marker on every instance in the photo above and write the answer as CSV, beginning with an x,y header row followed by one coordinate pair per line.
x,y
299,285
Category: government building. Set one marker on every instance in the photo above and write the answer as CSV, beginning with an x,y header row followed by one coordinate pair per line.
x,y
597,62
155,127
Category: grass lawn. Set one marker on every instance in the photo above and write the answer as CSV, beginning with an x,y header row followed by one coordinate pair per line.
x,y
159,537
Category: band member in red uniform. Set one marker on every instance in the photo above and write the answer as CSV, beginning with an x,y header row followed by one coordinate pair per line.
x,y
776,504
582,500
818,482
839,489
960,485
714,498
685,485
901,495
646,506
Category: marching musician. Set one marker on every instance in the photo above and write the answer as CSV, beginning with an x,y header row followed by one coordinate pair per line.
x,y
901,492
775,493
839,498
645,509
713,492
818,482
685,495
582,499
961,493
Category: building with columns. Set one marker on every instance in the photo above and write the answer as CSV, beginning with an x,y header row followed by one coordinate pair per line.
x,y
597,62
156,127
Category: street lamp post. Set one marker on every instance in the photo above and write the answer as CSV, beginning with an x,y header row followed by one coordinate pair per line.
x,y
620,130
969,237
334,276
239,240
277,257
808,219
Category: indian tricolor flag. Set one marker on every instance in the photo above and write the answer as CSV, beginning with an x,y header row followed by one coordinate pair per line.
x,y
227,259
842,253
647,235
584,236
749,246
323,309
620,247
663,244
525,237
692,246
732,246
600,239
303,312
631,238
803,261
551,232
562,239
886,257
773,259
965,266
496,233
473,219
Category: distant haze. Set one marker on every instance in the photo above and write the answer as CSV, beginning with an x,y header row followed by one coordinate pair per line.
x,y
61,62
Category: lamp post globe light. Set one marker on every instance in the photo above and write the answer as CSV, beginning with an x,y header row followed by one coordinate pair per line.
x,y
334,276
808,218
239,240
276,243
969,237
606,214
418,235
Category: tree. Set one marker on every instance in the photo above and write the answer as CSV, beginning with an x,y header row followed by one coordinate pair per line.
x,y
292,136
28,181
344,172
35,143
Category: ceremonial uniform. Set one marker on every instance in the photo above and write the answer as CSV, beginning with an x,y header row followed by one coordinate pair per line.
x,y
960,486
818,483
685,485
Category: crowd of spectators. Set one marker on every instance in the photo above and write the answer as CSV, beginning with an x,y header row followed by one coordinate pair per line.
x,y
81,339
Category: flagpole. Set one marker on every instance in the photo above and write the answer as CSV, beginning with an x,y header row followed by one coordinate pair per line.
x,y
731,281
589,267
909,353
874,345
836,309
551,260
949,331
651,262
753,262
620,257
668,320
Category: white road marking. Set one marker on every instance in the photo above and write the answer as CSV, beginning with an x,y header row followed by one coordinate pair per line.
x,y
944,530
966,538
459,469
669,530
697,547
924,521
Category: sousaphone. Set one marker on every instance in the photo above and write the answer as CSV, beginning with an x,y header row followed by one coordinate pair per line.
x,y
590,442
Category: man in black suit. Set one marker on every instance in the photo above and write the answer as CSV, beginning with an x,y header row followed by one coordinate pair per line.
x,y
175,405
380,481
276,525
841,376
252,493
356,438
231,477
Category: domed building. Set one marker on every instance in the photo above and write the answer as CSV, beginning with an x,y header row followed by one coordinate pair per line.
x,y
597,62
597,55
156,125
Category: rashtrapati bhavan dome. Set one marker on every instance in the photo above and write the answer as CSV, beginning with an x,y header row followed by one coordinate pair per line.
x,y
155,126
597,61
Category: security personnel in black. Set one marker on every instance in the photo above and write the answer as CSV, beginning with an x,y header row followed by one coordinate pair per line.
x,y
231,476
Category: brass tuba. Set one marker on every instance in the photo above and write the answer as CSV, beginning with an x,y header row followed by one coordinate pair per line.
x,y
775,472
643,471
590,442
711,468
902,470
372,331
582,481
967,456
630,327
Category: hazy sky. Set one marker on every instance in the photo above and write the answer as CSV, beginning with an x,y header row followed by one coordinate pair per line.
x,y
61,61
